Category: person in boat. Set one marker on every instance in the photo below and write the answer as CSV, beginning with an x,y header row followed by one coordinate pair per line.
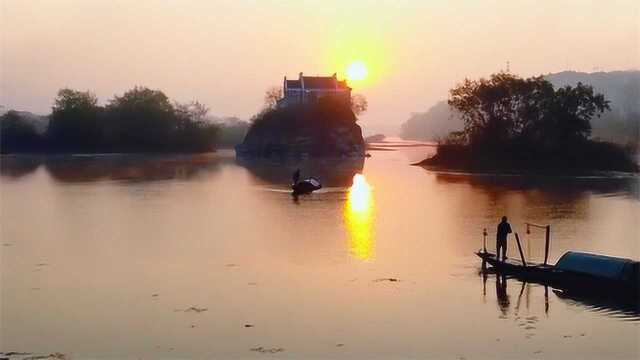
x,y
504,229
296,176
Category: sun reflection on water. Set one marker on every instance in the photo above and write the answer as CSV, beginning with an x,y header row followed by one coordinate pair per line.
x,y
358,215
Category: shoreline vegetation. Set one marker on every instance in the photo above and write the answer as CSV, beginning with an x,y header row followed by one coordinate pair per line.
x,y
142,120
526,126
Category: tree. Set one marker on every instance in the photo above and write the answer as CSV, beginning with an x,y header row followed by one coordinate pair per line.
x,y
17,135
359,104
141,118
271,97
74,121
507,109
193,131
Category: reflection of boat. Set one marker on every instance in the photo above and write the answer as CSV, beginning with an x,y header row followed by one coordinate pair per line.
x,y
306,186
576,272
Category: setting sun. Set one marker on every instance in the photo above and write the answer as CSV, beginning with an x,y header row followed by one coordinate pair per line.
x,y
357,71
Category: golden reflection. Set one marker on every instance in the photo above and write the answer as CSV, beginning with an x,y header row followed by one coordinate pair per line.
x,y
358,216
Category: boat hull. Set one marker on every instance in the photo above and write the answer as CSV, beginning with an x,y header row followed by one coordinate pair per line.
x,y
549,275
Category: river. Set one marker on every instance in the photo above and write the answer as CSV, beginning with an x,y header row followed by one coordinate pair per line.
x,y
206,256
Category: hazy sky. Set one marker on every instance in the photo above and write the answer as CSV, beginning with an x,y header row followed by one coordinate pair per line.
x,y
226,53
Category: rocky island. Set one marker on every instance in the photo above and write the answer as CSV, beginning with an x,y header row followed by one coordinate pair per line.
x,y
316,117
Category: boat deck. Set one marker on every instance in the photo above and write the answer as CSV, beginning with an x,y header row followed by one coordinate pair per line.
x,y
511,263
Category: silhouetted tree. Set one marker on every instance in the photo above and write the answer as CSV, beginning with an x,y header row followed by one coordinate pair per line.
x,y
74,124
506,108
141,118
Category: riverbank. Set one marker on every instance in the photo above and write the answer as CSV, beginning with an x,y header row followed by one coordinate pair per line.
x,y
590,158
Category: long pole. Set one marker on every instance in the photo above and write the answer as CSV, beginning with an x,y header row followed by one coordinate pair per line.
x,y
524,263
546,244
484,240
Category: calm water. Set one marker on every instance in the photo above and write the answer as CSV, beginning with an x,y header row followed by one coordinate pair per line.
x,y
207,257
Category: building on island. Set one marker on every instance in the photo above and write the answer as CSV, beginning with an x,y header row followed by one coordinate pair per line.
x,y
308,89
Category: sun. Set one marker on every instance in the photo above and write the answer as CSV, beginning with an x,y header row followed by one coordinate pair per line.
x,y
357,70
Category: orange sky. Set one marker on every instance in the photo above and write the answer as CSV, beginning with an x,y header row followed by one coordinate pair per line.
x,y
226,53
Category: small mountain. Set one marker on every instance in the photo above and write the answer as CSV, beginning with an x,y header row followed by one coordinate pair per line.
x,y
39,122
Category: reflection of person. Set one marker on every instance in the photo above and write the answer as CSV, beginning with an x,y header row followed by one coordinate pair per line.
x,y
504,229
501,293
296,176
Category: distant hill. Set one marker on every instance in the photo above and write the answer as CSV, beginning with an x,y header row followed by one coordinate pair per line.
x,y
39,122
432,125
622,89
232,131
621,124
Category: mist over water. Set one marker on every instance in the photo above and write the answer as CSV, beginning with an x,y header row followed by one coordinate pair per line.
x,y
127,256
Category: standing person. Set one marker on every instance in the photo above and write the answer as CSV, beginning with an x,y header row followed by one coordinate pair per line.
x,y
504,229
296,176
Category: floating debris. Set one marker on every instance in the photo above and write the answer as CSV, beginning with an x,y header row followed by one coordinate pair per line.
x,y
252,283
35,288
340,345
263,350
194,309
231,265
530,327
192,326
386,279
567,336
248,325
14,353
42,264
155,295
58,356
538,352
7,244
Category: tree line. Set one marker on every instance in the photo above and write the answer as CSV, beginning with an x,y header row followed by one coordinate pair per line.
x,y
511,123
140,120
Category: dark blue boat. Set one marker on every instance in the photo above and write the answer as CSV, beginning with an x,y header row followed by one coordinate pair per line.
x,y
306,186
576,271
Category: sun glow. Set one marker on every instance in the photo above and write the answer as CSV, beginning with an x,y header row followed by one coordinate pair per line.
x,y
357,71
358,215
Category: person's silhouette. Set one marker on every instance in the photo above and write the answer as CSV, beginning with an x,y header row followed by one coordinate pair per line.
x,y
296,176
504,229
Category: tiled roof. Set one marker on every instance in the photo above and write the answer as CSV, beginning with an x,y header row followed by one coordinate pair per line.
x,y
319,82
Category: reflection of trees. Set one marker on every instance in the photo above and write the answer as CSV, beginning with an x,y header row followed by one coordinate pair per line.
x,y
330,171
558,189
567,196
18,166
66,168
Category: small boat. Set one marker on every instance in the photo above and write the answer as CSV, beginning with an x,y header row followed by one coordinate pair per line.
x,y
575,271
306,186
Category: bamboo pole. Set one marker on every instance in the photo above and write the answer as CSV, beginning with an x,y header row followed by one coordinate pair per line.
x,y
524,263
546,244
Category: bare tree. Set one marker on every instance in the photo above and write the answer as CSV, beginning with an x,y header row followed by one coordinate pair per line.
x,y
271,97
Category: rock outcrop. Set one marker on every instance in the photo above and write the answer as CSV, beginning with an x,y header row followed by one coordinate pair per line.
x,y
324,129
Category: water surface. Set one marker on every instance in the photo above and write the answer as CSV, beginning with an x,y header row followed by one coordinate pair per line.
x,y
131,256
